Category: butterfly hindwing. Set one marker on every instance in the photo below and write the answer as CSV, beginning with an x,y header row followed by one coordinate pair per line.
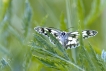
x,y
73,40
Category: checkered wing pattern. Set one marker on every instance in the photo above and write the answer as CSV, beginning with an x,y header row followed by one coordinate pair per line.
x,y
67,39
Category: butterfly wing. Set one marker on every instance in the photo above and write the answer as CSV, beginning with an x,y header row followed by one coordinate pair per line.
x,y
69,39
44,30
88,33
73,40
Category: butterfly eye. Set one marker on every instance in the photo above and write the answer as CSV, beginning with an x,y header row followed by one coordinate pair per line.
x,y
62,33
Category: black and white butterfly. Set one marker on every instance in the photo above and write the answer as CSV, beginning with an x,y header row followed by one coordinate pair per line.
x,y
67,39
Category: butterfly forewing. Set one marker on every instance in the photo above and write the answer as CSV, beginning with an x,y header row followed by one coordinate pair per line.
x,y
67,39
44,31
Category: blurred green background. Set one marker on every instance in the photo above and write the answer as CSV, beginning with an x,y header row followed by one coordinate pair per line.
x,y
19,17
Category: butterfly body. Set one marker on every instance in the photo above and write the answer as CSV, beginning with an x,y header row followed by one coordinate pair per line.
x,y
67,39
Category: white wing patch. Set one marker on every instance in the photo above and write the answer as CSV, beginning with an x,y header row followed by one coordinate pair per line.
x,y
67,39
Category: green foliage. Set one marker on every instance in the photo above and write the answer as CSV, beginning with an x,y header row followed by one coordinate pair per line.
x,y
17,20
48,55
57,58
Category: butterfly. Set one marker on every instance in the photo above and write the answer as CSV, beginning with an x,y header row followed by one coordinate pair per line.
x,y
67,39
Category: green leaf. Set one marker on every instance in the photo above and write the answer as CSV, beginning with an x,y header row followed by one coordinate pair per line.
x,y
42,49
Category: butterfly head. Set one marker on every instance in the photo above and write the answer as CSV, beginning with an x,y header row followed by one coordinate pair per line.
x,y
62,38
63,34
